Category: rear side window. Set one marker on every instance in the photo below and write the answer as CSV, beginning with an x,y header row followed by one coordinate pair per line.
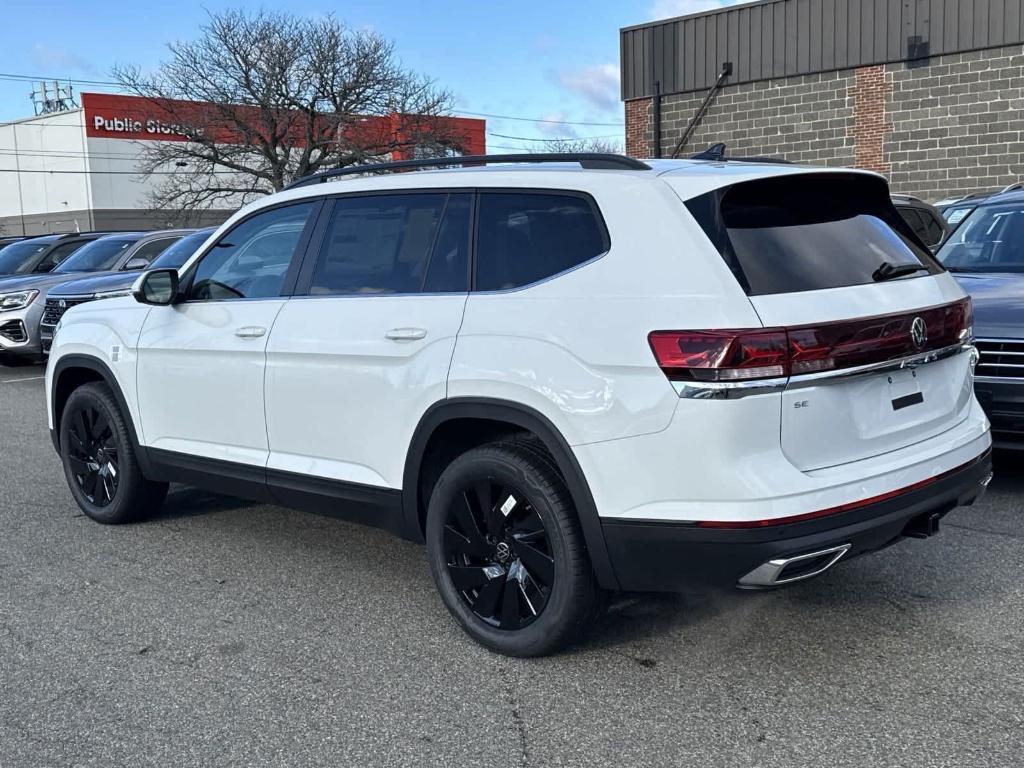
x,y
399,243
526,237
809,232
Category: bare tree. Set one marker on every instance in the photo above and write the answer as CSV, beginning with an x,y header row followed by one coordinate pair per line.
x,y
607,146
280,97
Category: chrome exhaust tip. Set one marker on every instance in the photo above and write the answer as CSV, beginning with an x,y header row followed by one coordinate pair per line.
x,y
786,570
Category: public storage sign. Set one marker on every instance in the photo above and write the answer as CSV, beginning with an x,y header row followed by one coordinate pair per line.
x,y
134,118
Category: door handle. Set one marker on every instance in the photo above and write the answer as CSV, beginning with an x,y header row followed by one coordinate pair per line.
x,y
406,334
250,332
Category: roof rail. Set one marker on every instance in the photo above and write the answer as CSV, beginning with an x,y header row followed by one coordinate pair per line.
x,y
716,152
589,160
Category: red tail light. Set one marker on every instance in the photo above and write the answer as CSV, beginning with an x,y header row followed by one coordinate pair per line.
x,y
720,355
764,353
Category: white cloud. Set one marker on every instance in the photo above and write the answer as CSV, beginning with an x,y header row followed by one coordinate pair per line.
x,y
598,85
58,61
666,9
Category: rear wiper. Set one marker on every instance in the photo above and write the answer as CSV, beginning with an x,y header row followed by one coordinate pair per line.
x,y
887,271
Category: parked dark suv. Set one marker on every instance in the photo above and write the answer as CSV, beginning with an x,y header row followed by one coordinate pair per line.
x,y
986,254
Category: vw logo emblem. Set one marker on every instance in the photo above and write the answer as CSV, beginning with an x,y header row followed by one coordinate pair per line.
x,y
919,332
503,551
63,304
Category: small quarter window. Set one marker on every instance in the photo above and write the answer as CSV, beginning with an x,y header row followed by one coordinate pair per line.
x,y
527,237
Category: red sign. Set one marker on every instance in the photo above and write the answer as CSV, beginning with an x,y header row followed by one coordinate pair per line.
x,y
114,116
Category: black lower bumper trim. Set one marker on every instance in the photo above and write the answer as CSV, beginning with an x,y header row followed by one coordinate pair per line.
x,y
673,557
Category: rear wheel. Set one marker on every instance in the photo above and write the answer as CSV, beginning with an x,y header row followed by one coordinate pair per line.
x,y
507,553
99,461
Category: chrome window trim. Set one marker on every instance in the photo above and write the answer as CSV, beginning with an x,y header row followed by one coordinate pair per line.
x,y
733,390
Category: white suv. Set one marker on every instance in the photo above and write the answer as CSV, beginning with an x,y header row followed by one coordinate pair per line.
x,y
567,378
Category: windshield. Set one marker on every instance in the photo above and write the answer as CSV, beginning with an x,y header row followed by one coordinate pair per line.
x,y
19,256
179,253
990,239
97,256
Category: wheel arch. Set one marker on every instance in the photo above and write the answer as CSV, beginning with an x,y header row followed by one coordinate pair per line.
x,y
71,372
516,418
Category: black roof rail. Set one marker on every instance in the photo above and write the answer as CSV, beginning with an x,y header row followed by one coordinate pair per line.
x,y
716,152
589,160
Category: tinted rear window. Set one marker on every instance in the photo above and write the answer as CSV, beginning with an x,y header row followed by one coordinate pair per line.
x,y
525,237
809,232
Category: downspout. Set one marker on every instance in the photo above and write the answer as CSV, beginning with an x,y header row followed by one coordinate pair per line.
x,y
695,120
656,118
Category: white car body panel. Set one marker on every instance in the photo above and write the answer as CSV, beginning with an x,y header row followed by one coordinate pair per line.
x,y
343,399
187,409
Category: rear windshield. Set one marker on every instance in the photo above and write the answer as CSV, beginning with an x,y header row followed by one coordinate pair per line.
x,y
809,232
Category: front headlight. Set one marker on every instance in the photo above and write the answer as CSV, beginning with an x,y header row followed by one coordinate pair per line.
x,y
17,300
112,294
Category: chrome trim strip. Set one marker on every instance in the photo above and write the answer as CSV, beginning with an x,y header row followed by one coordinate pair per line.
x,y
991,340
728,390
903,363
999,379
734,390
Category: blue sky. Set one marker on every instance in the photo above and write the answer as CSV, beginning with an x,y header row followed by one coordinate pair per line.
x,y
555,59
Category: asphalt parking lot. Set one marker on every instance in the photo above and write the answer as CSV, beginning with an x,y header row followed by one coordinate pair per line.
x,y
227,633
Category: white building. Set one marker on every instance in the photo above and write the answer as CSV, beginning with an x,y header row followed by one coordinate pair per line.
x,y
78,170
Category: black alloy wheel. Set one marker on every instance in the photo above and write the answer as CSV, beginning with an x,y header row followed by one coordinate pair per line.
x,y
93,455
98,454
498,555
507,552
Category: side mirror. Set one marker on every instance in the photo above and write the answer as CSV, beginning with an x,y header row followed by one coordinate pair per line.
x,y
158,287
138,262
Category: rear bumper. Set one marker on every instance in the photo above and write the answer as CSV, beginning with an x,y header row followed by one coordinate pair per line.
x,y
1003,402
658,556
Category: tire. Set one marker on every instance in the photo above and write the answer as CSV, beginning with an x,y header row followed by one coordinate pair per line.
x,y
99,460
519,583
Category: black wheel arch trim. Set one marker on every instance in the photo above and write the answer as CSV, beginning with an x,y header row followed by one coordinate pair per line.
x,y
526,418
98,366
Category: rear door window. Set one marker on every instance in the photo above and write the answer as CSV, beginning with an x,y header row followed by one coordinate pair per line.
x,y
808,232
523,238
395,244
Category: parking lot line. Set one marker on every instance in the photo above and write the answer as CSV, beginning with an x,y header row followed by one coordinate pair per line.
x,y
30,378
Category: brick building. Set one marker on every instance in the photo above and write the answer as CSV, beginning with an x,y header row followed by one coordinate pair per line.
x,y
928,92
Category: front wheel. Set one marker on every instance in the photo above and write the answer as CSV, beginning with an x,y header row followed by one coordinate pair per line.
x,y
507,553
99,460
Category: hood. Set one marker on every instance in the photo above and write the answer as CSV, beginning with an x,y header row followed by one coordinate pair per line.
x,y
105,281
45,282
998,303
38,282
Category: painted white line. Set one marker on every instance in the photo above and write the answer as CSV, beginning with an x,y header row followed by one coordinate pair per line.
x,y
15,381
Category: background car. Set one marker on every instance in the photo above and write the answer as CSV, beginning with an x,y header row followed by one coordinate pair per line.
x,y
22,298
986,255
39,255
926,221
67,295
